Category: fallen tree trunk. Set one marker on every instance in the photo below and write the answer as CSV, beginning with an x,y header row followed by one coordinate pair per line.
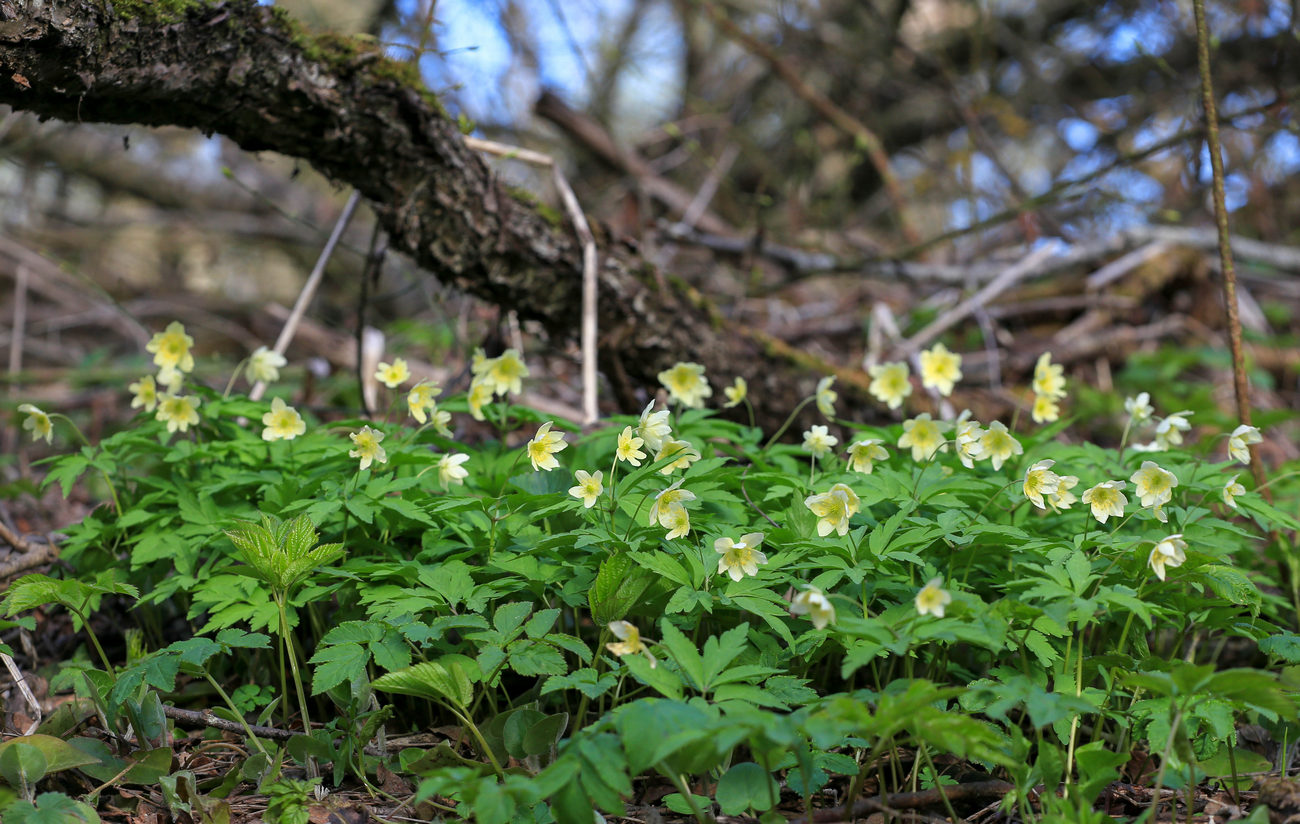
x,y
248,72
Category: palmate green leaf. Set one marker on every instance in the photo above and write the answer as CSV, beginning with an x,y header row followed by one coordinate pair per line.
x,y
51,808
430,679
584,680
336,664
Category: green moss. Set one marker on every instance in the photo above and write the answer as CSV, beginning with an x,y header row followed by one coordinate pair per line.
x,y
154,11
547,213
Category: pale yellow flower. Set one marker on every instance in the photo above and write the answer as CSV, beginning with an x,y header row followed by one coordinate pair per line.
x,y
818,440
686,455
505,373
1063,498
264,365
171,348
967,440
1169,432
686,384
440,420
368,448
889,383
997,444
924,436
740,558
422,398
1240,440
1049,378
145,393
479,362
629,447
1139,409
864,453
826,396
393,374
834,508
815,605
736,393
932,599
940,369
653,427
1046,409
1154,486
1040,480
450,470
677,521
179,412
543,446
629,642
171,379
1168,553
1231,489
480,393
1106,499
38,423
674,495
589,487
282,423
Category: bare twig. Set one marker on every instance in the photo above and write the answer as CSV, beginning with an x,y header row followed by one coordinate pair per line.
x,y
309,288
827,108
1240,382
15,540
1010,276
911,801
590,412
21,681
18,331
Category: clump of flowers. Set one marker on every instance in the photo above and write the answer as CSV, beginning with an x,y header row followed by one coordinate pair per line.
x,y
1049,388
669,508
686,384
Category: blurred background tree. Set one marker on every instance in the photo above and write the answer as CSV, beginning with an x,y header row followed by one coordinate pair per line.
x,y
833,173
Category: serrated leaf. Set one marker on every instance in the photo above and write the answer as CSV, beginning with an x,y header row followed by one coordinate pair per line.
x,y
430,679
335,664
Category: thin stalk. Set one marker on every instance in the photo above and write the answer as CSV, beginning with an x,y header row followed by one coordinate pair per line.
x,y
248,731
1240,383
293,664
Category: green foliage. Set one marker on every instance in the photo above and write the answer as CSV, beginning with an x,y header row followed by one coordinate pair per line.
x,y
782,641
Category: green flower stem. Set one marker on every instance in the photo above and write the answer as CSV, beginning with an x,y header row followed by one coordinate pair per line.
x,y
1074,720
934,776
94,640
788,421
234,376
248,731
464,718
679,781
287,640
112,488
599,662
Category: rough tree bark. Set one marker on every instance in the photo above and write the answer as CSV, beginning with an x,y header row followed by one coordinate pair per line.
x,y
247,72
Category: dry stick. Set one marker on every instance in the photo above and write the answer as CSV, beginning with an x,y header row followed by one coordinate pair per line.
x,y
309,288
17,675
589,410
1221,223
828,109
992,289
911,800
20,321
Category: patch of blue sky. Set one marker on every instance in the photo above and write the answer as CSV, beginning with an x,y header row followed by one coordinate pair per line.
x,y
1280,157
1078,134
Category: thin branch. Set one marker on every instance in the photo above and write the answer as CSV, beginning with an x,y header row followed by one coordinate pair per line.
x,y
309,288
1240,382
827,108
